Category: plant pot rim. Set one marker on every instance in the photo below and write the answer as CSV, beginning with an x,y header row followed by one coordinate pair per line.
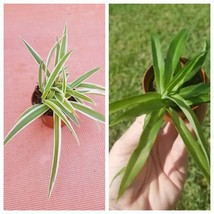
x,y
148,76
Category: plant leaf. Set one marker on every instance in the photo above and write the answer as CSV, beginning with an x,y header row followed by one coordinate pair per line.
x,y
33,52
139,109
158,63
191,144
189,113
130,101
54,74
66,111
195,90
80,96
91,86
83,77
26,118
50,55
61,98
187,72
174,54
40,77
56,108
88,111
204,98
94,91
56,152
140,154
35,55
63,47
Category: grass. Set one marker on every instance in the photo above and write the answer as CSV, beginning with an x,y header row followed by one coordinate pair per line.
x,y
130,56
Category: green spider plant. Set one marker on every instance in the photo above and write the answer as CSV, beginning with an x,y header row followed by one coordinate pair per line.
x,y
171,93
56,91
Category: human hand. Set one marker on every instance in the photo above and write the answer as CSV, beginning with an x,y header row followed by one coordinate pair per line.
x,y
160,182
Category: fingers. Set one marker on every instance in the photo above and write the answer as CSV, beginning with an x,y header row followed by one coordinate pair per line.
x,y
129,140
176,166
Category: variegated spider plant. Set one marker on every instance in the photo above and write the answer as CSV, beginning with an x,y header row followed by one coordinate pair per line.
x,y
55,93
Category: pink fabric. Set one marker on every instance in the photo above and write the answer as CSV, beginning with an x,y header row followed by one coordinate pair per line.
x,y
80,183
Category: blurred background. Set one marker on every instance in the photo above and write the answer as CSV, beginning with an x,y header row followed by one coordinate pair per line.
x,y
130,55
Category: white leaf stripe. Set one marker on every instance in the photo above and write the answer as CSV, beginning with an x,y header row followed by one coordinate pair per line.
x,y
64,81
91,91
88,111
58,111
56,152
57,52
32,114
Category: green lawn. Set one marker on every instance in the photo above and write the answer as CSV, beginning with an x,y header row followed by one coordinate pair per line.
x,y
130,55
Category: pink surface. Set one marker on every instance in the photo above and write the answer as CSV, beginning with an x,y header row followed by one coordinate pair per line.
x,y
80,183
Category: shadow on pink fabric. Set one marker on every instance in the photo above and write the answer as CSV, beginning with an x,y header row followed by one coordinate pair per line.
x,y
80,183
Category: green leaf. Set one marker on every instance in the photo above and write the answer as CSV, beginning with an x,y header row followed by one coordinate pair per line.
x,y
40,77
79,95
174,54
192,145
50,55
66,111
95,91
83,77
189,113
61,98
178,68
56,152
187,72
51,94
33,52
139,109
204,98
35,55
54,74
88,111
130,101
26,118
87,85
158,63
63,47
56,109
141,153
195,90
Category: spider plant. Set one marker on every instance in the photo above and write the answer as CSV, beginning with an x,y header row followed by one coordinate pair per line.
x,y
56,92
174,92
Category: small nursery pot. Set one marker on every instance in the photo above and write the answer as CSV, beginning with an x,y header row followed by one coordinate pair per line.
x,y
148,86
47,117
